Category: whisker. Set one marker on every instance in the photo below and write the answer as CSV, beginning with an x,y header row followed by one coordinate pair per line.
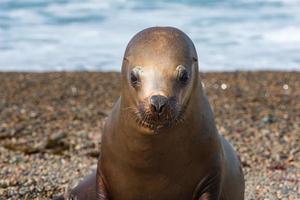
x,y
144,117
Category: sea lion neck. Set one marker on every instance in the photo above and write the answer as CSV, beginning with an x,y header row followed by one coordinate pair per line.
x,y
141,145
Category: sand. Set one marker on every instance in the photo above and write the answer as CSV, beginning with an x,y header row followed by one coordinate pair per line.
x,y
51,125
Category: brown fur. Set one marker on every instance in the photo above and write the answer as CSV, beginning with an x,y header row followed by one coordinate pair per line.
x,y
183,160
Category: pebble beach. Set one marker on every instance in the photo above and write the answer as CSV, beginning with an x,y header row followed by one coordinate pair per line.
x,y
51,126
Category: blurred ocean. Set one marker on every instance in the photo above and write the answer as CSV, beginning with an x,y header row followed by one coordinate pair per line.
x,y
55,35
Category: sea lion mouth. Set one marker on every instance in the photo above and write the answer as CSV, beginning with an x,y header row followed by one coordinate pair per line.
x,y
146,118
155,122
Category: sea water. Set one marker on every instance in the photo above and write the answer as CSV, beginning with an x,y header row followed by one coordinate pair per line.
x,y
68,35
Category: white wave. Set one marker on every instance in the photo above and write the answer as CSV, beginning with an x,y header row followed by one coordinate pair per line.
x,y
227,38
284,2
285,35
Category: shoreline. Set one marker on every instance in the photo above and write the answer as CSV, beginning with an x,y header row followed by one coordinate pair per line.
x,y
118,71
50,128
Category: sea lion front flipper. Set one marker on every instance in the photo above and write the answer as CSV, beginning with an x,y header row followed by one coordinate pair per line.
x,y
85,190
208,188
101,189
91,188
204,197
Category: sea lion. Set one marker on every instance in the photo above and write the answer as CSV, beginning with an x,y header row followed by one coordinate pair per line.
x,y
160,140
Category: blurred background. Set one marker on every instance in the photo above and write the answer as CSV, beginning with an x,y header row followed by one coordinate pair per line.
x,y
59,35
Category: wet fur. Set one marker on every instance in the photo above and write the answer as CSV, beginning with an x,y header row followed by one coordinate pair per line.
x,y
133,164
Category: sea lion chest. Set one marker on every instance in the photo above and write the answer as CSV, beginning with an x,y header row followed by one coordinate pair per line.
x,y
166,167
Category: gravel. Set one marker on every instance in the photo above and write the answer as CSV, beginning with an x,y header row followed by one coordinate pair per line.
x,y
51,125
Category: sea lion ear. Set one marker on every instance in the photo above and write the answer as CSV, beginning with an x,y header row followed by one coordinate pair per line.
x,y
195,59
125,59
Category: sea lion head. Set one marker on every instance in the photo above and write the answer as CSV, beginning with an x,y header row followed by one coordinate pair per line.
x,y
159,74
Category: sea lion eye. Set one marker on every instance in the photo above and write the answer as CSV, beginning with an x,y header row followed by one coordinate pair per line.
x,y
182,74
134,76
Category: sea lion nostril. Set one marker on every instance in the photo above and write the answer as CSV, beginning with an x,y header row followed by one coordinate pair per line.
x,y
158,103
161,108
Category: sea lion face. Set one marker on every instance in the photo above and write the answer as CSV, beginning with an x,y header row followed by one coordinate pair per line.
x,y
160,70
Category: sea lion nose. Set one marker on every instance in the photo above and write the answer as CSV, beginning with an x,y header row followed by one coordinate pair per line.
x,y
158,103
